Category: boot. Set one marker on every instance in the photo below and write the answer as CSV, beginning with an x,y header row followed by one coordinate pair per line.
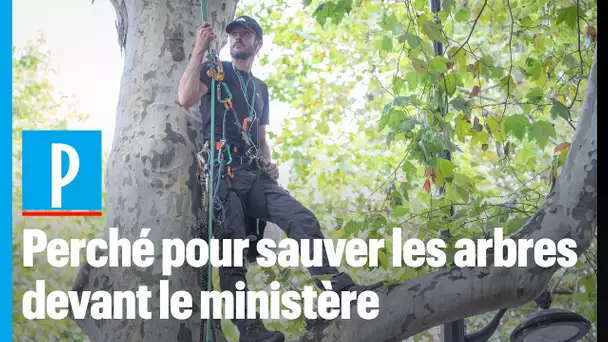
x,y
257,332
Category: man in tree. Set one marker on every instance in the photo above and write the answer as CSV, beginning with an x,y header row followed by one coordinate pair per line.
x,y
250,190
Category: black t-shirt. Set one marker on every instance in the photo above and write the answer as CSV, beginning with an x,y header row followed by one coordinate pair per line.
x,y
242,109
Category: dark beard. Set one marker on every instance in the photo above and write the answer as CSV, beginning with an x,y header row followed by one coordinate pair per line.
x,y
241,54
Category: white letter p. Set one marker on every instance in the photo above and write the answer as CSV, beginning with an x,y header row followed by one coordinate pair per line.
x,y
57,181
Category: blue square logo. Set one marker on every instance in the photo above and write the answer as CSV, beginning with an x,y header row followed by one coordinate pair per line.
x,y
61,171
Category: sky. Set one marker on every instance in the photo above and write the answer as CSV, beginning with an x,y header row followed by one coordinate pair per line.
x,y
85,56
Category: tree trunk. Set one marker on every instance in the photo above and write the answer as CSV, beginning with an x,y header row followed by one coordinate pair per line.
x,y
151,177
569,211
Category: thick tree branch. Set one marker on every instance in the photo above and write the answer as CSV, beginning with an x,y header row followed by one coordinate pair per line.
x,y
569,211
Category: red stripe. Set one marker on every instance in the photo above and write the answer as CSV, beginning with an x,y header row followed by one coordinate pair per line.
x,y
61,213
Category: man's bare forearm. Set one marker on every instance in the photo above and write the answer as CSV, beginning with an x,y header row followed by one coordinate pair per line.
x,y
188,90
265,151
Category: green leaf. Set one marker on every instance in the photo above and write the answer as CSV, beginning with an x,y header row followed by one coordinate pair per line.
x,y
409,169
460,56
533,68
399,101
408,125
351,228
386,117
462,128
535,95
400,211
270,275
427,47
433,31
448,83
526,21
448,5
390,115
383,259
463,14
434,225
387,44
481,137
398,28
463,181
445,169
539,42
396,116
494,125
389,22
463,193
559,110
567,15
412,40
541,131
570,61
398,84
461,104
516,125
331,10
402,101
437,64
377,221
507,84
412,78
324,11
344,7
514,224
323,127
589,282
403,191
420,66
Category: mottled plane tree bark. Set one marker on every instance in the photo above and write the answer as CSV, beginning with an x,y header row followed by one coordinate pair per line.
x,y
151,183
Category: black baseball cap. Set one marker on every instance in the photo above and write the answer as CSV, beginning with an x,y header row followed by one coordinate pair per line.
x,y
248,23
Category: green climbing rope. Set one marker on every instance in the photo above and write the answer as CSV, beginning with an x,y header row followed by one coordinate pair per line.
x,y
212,158
210,230
251,105
217,76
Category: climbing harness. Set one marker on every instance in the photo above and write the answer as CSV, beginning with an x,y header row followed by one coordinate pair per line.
x,y
216,173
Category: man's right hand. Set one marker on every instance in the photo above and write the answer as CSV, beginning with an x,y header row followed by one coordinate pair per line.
x,y
204,36
269,168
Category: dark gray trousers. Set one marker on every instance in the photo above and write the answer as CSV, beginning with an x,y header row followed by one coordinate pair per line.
x,y
291,216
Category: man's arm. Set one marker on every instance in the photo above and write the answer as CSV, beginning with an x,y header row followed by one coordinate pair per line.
x,y
264,146
267,165
266,156
191,88
264,122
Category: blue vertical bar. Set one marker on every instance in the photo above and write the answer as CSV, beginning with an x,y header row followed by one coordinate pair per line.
x,y
6,169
